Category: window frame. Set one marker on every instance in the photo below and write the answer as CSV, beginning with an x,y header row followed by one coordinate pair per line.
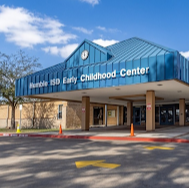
x,y
59,115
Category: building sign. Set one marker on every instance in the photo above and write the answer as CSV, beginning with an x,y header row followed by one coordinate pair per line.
x,y
91,77
53,82
149,106
111,113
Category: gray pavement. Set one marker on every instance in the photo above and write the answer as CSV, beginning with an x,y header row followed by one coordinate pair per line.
x,y
124,131
46,162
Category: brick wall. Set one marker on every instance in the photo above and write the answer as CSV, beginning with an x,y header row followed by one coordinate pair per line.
x,y
45,115
73,115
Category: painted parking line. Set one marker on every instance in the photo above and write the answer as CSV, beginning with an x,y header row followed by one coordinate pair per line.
x,y
158,147
96,163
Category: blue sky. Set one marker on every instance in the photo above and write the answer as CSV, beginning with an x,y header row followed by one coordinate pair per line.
x,y
52,29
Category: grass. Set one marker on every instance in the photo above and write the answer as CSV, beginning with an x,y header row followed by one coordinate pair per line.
x,y
24,130
30,130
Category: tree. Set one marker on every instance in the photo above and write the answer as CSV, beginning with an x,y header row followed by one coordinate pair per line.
x,y
12,67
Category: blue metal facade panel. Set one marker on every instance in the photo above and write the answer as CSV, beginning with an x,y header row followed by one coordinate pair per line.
x,y
74,73
116,80
50,87
80,51
37,81
29,90
102,70
153,68
175,65
122,80
85,71
87,48
160,75
129,80
109,69
97,82
163,63
33,80
97,56
25,86
80,72
46,79
90,83
41,78
92,54
136,77
144,63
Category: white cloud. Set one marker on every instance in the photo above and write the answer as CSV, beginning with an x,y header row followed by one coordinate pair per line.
x,y
92,2
64,51
83,30
26,29
111,30
105,43
185,54
101,28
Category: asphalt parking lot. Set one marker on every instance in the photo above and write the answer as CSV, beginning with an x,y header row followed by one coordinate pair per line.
x,y
45,162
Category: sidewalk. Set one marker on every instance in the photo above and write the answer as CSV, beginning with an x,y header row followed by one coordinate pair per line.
x,y
163,134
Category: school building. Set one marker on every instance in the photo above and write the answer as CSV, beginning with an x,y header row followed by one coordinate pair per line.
x,y
133,81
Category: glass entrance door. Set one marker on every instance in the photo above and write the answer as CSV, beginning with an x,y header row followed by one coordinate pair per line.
x,y
136,116
98,116
166,116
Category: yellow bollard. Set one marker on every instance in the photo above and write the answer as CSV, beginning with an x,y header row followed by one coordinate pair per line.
x,y
18,129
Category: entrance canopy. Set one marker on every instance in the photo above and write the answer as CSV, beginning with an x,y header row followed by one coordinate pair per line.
x,y
115,74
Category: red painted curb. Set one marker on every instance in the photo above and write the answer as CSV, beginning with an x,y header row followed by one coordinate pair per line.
x,y
176,140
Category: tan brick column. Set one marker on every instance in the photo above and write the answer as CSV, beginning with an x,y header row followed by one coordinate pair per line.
x,y
117,115
121,121
129,113
182,112
106,112
85,113
150,110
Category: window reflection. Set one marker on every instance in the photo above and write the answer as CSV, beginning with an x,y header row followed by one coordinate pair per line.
x,y
157,114
187,113
177,113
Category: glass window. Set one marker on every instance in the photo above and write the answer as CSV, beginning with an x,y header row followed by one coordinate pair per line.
x,y
187,113
177,113
157,114
60,111
143,114
125,114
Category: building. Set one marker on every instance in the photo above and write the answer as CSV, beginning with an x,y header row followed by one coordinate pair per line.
x,y
146,83
51,113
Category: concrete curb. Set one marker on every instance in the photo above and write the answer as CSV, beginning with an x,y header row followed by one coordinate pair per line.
x,y
137,139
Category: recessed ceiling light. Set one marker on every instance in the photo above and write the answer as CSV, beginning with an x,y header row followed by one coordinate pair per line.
x,y
159,84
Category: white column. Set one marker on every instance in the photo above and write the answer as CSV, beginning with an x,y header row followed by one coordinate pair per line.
x,y
117,115
105,115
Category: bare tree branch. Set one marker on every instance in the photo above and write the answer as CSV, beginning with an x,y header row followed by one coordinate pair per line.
x,y
13,67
